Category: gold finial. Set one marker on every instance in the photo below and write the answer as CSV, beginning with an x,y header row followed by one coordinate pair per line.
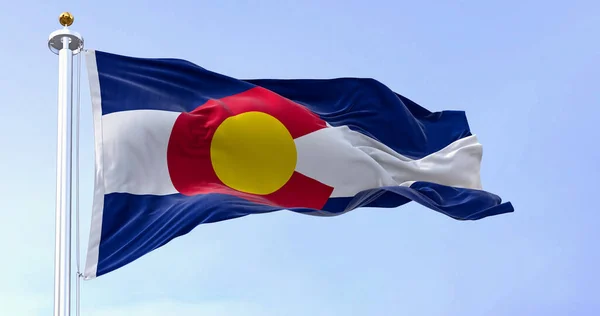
x,y
66,19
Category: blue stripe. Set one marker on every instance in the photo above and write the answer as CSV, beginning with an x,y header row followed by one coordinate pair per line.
x,y
458,203
134,225
129,83
364,105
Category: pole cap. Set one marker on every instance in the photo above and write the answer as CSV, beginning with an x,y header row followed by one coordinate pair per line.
x,y
56,39
66,19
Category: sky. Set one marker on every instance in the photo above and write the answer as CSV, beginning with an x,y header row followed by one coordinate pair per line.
x,y
527,73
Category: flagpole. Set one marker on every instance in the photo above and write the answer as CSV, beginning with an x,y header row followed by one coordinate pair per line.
x,y
65,44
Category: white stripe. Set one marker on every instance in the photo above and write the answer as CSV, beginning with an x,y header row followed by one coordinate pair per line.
x,y
91,262
351,162
135,151
135,146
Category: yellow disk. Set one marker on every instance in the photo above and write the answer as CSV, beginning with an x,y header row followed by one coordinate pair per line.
x,y
253,152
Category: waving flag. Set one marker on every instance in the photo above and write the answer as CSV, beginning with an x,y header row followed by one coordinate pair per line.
x,y
178,146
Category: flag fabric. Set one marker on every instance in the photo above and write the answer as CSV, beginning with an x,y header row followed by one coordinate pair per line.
x,y
177,146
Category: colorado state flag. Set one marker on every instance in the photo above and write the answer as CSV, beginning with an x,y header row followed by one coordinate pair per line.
x,y
177,146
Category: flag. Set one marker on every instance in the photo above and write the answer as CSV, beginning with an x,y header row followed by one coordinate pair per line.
x,y
178,146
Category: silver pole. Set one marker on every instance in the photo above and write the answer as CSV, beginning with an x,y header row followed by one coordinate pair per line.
x,y
65,44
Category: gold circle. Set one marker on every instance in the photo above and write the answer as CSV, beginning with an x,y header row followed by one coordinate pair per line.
x,y
253,152
66,19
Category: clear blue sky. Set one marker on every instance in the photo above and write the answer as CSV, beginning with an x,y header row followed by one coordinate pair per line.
x,y
526,72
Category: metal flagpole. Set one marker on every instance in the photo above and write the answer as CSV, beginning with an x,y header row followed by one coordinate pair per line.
x,y
65,44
